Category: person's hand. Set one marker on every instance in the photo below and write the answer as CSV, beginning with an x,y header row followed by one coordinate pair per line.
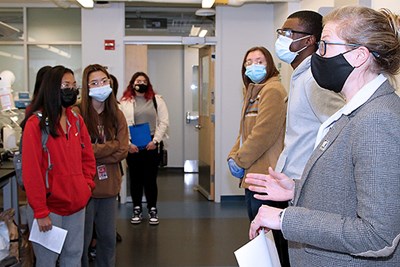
x,y
133,148
276,186
44,224
236,171
151,146
267,218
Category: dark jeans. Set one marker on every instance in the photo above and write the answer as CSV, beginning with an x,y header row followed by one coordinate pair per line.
x,y
281,244
143,170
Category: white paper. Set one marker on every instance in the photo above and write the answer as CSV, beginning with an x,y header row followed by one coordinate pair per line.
x,y
52,240
259,252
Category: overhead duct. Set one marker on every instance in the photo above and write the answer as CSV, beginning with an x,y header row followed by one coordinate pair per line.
x,y
241,2
62,3
7,30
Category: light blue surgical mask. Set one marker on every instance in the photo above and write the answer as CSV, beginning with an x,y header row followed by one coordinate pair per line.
x,y
282,48
100,93
256,72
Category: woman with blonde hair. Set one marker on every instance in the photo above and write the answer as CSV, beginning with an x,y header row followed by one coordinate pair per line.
x,y
345,209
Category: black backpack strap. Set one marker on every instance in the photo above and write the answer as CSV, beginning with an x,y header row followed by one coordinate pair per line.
x,y
155,103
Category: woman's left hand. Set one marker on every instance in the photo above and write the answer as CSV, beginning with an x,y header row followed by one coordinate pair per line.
x,y
275,186
267,217
151,146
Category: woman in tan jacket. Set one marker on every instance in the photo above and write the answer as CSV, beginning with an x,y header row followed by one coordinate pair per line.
x,y
262,125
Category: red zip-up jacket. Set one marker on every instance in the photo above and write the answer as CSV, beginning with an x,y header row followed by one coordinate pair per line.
x,y
73,168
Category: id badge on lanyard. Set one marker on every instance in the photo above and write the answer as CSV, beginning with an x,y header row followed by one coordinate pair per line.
x,y
102,172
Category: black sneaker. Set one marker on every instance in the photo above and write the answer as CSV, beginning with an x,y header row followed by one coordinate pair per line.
x,y
153,218
92,253
137,215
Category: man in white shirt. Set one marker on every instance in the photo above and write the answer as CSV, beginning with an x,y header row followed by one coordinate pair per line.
x,y
308,104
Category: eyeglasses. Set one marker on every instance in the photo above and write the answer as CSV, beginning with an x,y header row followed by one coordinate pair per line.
x,y
250,62
96,83
322,46
68,85
140,82
289,32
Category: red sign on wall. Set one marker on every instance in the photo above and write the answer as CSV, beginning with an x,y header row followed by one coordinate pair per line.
x,y
109,44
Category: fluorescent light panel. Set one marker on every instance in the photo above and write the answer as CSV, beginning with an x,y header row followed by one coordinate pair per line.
x,y
207,3
194,31
86,3
203,33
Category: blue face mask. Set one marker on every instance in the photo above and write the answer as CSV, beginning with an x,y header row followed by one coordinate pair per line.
x,y
100,93
256,72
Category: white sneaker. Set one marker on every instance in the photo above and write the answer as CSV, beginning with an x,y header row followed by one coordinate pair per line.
x,y
153,218
137,215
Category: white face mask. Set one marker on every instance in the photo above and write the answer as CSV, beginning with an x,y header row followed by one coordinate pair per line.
x,y
282,48
100,93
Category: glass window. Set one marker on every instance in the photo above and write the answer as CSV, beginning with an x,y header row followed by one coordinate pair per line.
x,y
11,24
42,55
147,20
12,59
54,24
53,37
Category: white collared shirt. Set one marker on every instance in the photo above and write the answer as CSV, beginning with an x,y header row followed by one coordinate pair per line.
x,y
356,101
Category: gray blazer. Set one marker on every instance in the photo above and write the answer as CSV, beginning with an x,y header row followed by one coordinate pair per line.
x,y
346,210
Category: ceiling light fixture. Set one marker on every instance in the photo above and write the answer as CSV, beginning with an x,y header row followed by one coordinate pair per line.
x,y
86,3
207,3
203,33
194,31
204,12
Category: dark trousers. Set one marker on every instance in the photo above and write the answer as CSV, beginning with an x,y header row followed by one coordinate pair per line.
x,y
281,244
143,170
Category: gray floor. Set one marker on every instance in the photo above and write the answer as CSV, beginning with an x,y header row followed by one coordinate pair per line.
x,y
192,231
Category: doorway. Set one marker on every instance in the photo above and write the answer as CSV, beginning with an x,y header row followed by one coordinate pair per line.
x,y
173,71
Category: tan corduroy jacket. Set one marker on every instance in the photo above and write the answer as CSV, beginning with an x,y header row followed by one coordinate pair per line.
x,y
262,127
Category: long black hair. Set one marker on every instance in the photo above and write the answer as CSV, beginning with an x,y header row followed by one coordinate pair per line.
x,y
39,78
48,99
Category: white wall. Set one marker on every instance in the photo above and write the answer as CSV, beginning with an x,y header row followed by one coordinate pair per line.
x,y
393,5
99,24
237,30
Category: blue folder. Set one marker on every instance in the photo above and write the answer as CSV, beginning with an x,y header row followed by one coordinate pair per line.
x,y
140,134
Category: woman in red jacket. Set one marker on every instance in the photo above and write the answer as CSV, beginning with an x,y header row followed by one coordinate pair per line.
x,y
57,195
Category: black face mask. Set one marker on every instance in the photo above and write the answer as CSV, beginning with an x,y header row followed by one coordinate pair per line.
x,y
330,73
68,96
141,88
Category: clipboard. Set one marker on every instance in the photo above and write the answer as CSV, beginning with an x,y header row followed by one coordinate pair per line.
x,y
140,134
